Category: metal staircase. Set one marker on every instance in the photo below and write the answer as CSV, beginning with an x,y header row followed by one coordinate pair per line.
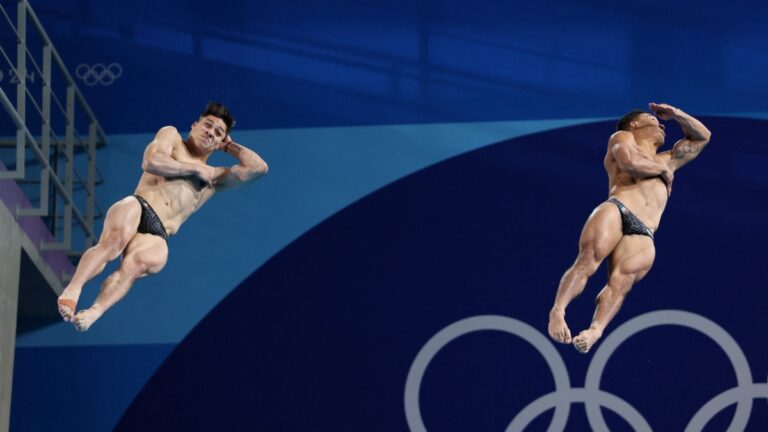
x,y
56,142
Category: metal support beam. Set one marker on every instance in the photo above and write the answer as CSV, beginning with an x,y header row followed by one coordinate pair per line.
x,y
21,86
69,158
90,210
45,140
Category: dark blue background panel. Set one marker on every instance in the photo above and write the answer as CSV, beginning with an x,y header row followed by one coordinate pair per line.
x,y
299,63
323,335
51,385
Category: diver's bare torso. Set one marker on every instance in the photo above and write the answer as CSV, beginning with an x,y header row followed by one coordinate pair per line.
x,y
646,198
174,199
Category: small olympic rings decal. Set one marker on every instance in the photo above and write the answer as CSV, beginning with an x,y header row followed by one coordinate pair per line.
x,y
98,73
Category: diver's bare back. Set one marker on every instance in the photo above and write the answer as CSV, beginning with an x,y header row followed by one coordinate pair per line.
x,y
174,199
646,198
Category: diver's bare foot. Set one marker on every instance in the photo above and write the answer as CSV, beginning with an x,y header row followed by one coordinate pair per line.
x,y
67,303
586,339
558,329
85,318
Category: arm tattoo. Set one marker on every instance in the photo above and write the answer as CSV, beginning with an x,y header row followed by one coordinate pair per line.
x,y
686,149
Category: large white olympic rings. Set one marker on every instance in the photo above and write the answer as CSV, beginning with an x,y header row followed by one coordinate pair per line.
x,y
591,395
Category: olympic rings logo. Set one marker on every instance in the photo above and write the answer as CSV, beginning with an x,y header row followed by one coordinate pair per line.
x,y
591,395
98,73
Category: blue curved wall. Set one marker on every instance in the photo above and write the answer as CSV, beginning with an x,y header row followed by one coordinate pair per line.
x,y
323,335
430,162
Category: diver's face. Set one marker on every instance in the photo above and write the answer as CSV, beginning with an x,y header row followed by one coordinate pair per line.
x,y
208,133
652,123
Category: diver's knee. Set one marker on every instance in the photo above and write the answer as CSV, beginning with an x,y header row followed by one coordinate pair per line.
x,y
114,242
133,267
621,282
588,261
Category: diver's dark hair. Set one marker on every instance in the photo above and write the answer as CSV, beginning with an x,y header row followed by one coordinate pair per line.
x,y
221,111
623,124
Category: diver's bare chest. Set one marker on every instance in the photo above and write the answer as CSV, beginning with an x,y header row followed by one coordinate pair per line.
x,y
190,182
181,154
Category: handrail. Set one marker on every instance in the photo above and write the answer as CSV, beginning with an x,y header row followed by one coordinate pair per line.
x,y
74,102
20,124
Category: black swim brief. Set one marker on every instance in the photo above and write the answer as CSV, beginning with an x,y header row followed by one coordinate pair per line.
x,y
150,222
630,224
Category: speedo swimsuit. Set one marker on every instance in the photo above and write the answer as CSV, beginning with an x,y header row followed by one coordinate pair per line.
x,y
150,222
630,224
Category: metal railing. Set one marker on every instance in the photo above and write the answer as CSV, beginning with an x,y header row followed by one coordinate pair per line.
x,y
74,102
